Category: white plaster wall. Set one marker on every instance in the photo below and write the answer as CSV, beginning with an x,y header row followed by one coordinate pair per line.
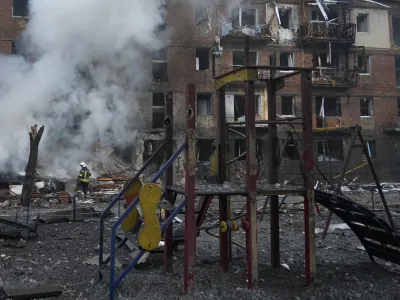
x,y
378,35
283,36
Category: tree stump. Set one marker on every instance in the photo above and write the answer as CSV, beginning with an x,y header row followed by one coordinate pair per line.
x,y
30,170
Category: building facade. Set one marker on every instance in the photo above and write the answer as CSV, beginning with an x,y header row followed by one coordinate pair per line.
x,y
355,53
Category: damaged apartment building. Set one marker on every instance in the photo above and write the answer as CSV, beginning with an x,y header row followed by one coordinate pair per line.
x,y
353,46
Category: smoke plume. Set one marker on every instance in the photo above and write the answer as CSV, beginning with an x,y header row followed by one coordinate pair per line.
x,y
89,66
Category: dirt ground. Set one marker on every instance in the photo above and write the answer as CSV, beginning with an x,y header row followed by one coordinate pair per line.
x,y
344,270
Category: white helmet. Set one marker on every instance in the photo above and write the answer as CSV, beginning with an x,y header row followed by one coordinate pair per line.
x,y
82,164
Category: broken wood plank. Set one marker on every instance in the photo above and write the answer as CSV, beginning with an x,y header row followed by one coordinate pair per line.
x,y
32,293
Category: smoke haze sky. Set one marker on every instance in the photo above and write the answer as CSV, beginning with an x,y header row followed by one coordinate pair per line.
x,y
89,63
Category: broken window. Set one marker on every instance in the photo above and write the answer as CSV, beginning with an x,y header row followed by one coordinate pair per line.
x,y
285,15
362,22
240,148
398,107
330,150
160,71
371,148
288,105
158,110
202,59
328,107
244,17
204,104
325,61
238,58
397,67
364,64
396,30
291,152
204,149
366,107
20,8
239,107
286,60
201,14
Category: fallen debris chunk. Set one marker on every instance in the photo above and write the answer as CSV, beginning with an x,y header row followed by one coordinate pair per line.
x,y
30,293
95,261
333,227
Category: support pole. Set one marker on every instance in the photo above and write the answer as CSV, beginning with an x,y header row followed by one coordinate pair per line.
x,y
222,177
169,178
251,181
273,164
190,222
308,166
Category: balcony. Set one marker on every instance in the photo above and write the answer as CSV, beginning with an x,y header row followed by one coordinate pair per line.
x,y
329,77
261,32
320,32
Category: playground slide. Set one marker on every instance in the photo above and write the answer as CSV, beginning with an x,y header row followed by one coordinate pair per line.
x,y
378,238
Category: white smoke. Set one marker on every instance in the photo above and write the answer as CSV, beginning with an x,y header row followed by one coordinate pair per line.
x,y
90,62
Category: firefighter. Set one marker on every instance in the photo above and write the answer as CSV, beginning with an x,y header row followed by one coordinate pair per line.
x,y
83,179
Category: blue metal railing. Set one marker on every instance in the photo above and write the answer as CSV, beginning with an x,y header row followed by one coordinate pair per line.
x,y
113,283
115,201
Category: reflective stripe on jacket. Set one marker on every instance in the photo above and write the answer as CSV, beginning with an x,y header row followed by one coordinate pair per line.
x,y
84,175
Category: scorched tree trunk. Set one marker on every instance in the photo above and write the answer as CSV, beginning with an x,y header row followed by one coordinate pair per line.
x,y
30,171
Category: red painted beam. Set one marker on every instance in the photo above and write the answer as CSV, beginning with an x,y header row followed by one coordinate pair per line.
x,y
190,182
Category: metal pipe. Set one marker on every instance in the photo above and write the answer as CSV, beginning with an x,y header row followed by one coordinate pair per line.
x,y
116,199
126,213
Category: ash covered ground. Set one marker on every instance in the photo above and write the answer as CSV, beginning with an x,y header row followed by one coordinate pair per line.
x,y
344,270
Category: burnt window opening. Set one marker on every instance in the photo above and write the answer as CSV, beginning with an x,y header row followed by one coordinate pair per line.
x,y
371,148
20,8
201,14
160,55
366,104
160,72
239,61
328,107
240,148
364,64
396,30
286,60
324,61
244,17
272,59
158,113
125,154
362,22
204,104
239,107
291,152
285,15
398,107
288,105
202,59
397,67
159,99
204,149
330,150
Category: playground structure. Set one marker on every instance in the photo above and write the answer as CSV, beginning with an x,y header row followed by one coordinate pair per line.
x,y
379,239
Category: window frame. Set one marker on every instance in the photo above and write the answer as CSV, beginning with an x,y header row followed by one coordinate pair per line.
x,y
18,16
367,20
370,106
240,16
293,105
368,65
209,104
